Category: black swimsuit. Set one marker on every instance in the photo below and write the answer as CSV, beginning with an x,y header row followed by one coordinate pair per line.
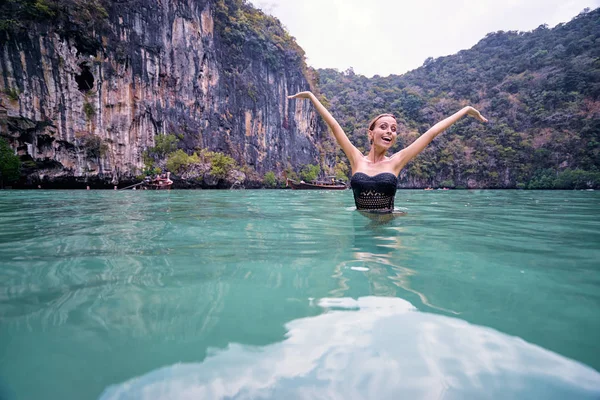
x,y
374,193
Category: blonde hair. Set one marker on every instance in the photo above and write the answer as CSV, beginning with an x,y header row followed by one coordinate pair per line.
x,y
372,123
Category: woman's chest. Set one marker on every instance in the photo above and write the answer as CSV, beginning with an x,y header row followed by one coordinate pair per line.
x,y
371,169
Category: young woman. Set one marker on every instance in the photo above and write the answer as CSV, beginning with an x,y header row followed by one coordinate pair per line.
x,y
375,176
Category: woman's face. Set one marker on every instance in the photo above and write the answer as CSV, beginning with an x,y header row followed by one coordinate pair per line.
x,y
384,132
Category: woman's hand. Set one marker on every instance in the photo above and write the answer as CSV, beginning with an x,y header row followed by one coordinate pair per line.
x,y
351,152
475,114
410,152
301,95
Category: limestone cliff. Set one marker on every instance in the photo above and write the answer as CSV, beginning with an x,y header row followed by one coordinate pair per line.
x,y
85,105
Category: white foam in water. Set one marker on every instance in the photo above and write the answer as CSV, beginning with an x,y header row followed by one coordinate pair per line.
x,y
362,269
373,348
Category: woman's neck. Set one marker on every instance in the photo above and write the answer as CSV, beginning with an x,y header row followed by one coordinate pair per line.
x,y
376,156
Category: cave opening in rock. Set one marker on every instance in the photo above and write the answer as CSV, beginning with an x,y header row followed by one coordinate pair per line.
x,y
85,80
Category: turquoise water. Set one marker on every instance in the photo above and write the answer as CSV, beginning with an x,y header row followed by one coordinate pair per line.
x,y
290,294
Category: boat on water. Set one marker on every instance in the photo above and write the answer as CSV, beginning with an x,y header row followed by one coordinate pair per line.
x,y
316,185
157,184
160,182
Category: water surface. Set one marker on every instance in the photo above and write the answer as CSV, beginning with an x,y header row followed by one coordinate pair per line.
x,y
491,293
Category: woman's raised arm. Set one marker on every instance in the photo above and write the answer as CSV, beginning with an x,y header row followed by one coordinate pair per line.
x,y
410,152
351,152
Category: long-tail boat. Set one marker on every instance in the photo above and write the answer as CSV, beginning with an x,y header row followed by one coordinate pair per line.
x,y
161,182
158,184
316,185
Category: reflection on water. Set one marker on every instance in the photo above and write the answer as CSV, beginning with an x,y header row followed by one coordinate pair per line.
x,y
378,248
99,287
373,348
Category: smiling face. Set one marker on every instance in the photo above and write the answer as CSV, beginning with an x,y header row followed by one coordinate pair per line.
x,y
383,131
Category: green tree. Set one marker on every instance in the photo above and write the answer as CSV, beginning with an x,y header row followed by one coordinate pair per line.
x,y
577,179
164,144
179,159
10,164
289,173
542,179
221,164
89,110
310,172
341,171
270,180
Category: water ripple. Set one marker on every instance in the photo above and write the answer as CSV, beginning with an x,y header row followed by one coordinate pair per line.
x,y
111,285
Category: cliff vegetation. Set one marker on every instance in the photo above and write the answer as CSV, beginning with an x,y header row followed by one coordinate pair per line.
x,y
10,165
73,19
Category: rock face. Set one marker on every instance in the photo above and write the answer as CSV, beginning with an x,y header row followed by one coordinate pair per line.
x,y
158,70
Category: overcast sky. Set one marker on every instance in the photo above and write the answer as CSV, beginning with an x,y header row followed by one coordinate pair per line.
x,y
394,36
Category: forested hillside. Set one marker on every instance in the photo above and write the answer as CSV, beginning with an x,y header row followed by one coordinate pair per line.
x,y
540,91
